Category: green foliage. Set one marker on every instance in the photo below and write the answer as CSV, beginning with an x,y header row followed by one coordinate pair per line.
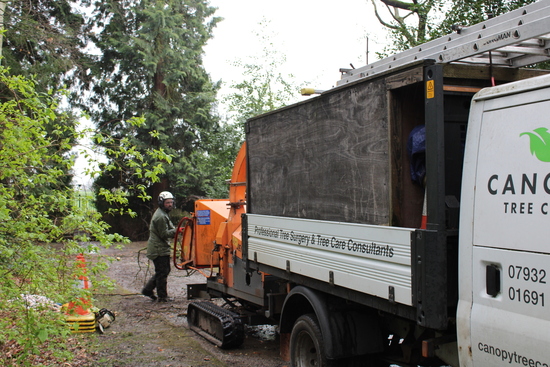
x,y
151,66
41,228
45,38
84,199
215,167
31,216
264,87
263,90
409,22
469,12
412,23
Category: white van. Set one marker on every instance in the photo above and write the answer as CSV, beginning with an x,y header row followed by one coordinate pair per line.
x,y
504,264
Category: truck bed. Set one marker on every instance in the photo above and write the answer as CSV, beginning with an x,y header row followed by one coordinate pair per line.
x,y
370,259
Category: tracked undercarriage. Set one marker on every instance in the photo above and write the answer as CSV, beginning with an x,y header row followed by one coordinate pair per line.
x,y
216,324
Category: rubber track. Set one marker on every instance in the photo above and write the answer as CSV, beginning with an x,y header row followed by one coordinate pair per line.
x,y
230,322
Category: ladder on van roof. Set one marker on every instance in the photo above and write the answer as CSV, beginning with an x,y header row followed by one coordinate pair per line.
x,y
515,39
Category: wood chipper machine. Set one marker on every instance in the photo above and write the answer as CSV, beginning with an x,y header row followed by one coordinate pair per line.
x,y
210,242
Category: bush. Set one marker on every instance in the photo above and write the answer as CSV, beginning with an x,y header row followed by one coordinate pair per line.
x,y
42,227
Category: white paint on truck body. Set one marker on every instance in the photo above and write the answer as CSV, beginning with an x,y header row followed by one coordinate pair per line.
x,y
505,225
361,257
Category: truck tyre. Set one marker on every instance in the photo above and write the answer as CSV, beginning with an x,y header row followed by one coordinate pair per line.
x,y
306,344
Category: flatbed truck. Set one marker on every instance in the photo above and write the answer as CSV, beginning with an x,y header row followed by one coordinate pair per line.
x,y
401,217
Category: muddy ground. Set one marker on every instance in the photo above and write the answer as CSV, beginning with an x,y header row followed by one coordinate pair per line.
x,y
147,333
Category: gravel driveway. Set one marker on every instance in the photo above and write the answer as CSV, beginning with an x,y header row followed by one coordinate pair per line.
x,y
147,333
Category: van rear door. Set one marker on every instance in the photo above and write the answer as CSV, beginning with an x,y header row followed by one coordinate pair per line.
x,y
504,307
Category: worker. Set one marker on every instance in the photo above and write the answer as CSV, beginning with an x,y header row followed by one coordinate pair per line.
x,y
161,231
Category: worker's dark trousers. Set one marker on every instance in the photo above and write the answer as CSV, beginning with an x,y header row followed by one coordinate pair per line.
x,y
160,279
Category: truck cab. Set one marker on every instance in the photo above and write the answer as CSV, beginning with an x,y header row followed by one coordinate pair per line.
x,y
504,252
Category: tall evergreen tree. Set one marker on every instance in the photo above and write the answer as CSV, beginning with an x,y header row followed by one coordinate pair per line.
x,y
45,39
151,66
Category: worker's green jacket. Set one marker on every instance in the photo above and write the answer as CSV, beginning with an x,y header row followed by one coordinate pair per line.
x,y
161,231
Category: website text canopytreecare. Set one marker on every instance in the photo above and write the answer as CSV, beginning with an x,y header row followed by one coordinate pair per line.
x,y
512,358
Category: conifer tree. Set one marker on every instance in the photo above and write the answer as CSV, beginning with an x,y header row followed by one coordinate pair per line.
x,y
45,39
150,65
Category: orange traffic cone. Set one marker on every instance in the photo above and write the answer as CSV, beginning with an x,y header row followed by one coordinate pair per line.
x,y
81,307
79,314
424,222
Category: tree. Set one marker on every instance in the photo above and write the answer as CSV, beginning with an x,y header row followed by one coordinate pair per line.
x,y
45,39
265,87
418,21
150,65
469,12
216,165
2,12
40,222
406,33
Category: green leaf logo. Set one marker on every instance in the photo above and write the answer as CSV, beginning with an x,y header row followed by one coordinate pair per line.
x,y
540,143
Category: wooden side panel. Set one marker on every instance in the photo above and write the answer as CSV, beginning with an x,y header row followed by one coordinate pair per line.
x,y
325,159
406,112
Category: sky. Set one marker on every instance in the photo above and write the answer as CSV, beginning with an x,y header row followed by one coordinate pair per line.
x,y
318,37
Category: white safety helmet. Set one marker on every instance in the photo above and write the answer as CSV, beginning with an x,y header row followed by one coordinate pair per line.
x,y
163,196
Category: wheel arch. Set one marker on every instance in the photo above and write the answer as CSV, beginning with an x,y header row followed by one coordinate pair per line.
x,y
346,331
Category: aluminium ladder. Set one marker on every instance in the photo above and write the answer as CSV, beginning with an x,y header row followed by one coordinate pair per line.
x,y
515,39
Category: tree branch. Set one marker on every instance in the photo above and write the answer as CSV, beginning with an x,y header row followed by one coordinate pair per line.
x,y
400,4
385,24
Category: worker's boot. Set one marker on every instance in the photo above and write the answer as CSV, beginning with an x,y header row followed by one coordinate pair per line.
x,y
148,293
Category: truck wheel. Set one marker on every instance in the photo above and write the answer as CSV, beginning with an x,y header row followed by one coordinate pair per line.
x,y
306,344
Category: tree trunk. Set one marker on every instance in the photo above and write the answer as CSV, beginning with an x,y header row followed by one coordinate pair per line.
x,y
159,187
2,10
